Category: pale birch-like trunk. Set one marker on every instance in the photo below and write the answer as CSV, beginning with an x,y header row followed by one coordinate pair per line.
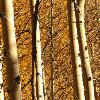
x,y
37,43
1,77
76,60
10,50
84,48
39,65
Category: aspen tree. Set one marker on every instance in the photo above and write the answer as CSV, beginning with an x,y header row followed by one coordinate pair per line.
x,y
83,47
37,49
10,50
75,53
34,23
44,83
51,52
39,65
1,77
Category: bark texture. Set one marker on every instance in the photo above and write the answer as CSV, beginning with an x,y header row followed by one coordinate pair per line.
x,y
10,50
76,60
84,48
1,77
37,50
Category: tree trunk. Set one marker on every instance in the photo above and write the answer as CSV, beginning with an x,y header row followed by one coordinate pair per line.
x,y
10,50
52,51
84,48
37,48
44,83
75,53
39,65
34,23
1,77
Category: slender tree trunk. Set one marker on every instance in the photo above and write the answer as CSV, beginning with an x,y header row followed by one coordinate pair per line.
x,y
34,23
37,48
44,83
84,48
52,52
10,50
75,53
1,77
39,65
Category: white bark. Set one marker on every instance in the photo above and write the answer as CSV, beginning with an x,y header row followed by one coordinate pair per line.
x,y
75,50
36,42
10,50
84,48
39,64
1,77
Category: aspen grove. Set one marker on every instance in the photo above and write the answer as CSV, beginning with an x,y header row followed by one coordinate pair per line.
x,y
49,50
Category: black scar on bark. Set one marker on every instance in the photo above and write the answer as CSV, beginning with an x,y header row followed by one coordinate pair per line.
x,y
89,78
17,79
